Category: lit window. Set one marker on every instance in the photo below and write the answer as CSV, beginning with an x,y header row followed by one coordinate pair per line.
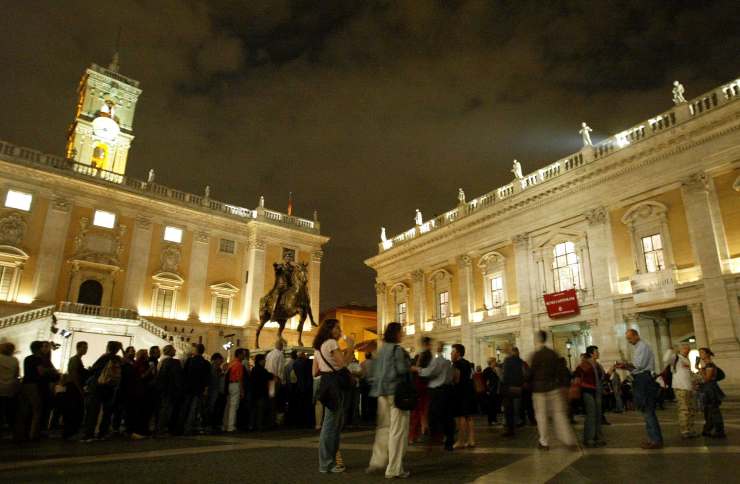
x,y
497,291
401,312
226,246
19,200
173,234
6,280
566,268
104,219
652,248
443,304
221,311
163,303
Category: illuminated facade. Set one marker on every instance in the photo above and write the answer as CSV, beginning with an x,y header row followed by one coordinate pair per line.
x,y
112,257
645,226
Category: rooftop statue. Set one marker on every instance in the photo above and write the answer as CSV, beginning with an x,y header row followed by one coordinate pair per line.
x,y
460,196
517,170
288,297
585,133
678,92
383,237
150,178
418,218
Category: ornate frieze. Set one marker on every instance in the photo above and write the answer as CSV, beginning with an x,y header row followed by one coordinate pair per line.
x,y
12,229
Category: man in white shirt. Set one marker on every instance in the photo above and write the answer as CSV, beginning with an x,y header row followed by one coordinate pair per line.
x,y
275,364
440,374
683,386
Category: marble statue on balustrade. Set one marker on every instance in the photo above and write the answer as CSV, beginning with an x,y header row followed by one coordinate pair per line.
x,y
383,237
585,133
678,93
150,178
418,218
460,196
262,201
207,192
288,297
517,170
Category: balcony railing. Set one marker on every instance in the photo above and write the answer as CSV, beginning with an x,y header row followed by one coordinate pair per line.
x,y
37,159
101,311
635,134
26,316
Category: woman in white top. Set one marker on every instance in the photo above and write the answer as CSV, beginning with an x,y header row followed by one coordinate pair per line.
x,y
328,358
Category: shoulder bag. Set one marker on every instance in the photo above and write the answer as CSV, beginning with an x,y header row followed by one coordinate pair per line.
x,y
405,396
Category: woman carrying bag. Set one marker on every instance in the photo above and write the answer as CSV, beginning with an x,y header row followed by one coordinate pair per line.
x,y
390,374
331,363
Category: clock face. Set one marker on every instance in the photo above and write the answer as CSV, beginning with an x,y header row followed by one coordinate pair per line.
x,y
105,128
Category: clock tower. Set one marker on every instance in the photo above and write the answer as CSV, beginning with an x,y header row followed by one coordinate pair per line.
x,y
102,131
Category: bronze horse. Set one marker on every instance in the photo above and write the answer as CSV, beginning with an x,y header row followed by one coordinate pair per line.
x,y
279,307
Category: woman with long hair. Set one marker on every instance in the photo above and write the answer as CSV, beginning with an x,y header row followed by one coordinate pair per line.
x,y
391,437
328,360
711,396
464,405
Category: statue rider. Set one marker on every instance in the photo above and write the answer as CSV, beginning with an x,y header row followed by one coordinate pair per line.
x,y
283,279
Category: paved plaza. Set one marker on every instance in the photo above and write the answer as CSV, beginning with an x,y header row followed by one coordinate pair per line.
x,y
291,457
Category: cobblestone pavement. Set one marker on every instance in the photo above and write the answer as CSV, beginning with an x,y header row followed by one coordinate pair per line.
x,y
288,456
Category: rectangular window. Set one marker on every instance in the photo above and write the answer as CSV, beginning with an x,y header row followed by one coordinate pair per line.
x,y
104,219
226,246
652,249
566,267
443,304
221,310
19,200
401,312
497,291
173,234
6,280
163,303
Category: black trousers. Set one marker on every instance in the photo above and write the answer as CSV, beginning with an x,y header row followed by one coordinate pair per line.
x,y
493,407
440,413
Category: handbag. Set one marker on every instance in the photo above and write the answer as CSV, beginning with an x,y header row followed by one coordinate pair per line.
x,y
405,397
331,385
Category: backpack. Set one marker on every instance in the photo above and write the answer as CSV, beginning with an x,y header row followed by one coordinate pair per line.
x,y
111,373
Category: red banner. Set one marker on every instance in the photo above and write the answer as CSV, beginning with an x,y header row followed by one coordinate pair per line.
x,y
562,304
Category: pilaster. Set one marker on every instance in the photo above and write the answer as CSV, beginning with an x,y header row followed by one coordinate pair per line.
x,y
197,273
51,251
700,329
465,289
420,298
255,286
136,271
381,292
314,282
522,264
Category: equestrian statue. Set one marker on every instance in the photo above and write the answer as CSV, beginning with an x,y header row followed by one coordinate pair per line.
x,y
288,297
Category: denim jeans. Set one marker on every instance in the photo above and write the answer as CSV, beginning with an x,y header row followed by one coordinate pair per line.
x,y
646,395
512,406
331,430
592,424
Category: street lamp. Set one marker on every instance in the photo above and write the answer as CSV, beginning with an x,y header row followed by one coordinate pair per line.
x,y
568,346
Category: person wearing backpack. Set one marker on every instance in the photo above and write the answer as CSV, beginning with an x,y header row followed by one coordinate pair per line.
x,y
711,396
391,366
105,376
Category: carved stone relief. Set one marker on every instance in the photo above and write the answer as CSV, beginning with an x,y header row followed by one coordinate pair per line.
x,y
12,229
170,258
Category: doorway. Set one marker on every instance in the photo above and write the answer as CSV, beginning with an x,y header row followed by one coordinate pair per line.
x,y
91,292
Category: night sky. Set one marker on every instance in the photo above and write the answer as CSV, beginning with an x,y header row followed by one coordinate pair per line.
x,y
366,110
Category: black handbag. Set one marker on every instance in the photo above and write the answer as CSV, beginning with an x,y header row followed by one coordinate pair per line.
x,y
332,384
405,397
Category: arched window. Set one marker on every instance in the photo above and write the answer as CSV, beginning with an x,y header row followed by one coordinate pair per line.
x,y
566,267
91,292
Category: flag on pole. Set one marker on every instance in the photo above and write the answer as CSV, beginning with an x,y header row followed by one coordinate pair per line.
x,y
290,203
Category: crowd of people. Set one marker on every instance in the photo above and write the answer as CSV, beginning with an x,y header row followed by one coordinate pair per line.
x,y
425,400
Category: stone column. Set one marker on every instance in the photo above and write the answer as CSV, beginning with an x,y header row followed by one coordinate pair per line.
x,y
314,282
699,216
51,251
197,273
381,294
256,284
418,289
664,336
522,263
138,261
700,330
465,290
604,275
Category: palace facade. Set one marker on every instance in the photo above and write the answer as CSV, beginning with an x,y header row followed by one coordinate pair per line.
x,y
641,230
89,253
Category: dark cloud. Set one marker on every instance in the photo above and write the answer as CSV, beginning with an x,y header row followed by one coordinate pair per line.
x,y
366,110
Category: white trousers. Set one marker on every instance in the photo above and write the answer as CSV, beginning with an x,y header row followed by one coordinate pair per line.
x,y
552,405
232,405
391,437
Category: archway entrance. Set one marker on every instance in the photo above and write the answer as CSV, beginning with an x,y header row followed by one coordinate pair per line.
x,y
91,292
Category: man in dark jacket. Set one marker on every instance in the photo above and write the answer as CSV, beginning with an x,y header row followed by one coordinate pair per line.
x,y
511,388
105,376
545,380
169,382
197,378
493,404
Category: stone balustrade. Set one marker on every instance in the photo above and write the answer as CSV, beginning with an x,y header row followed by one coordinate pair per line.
x,y
36,159
101,311
635,134
26,316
